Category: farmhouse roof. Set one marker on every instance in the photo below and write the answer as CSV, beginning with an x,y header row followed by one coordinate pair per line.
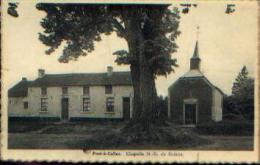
x,y
81,79
73,79
20,89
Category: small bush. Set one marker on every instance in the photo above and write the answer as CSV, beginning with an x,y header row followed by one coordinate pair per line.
x,y
234,128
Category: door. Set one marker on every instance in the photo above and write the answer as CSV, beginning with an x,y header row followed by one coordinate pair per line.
x,y
190,117
64,108
126,108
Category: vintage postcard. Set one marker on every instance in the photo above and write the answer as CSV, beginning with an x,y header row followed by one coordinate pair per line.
x,y
130,81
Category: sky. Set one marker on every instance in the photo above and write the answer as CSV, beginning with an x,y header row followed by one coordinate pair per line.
x,y
227,42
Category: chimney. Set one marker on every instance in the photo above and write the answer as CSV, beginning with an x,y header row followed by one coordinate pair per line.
x,y
109,70
41,73
24,79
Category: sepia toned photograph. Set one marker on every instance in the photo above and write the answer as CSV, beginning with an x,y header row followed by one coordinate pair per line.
x,y
84,76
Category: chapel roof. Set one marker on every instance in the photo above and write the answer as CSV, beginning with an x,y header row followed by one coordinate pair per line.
x,y
192,73
196,73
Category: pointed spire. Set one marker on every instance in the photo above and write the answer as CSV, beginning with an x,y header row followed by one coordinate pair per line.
x,y
195,59
196,51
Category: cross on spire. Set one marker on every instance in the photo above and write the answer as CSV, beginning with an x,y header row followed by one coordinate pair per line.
x,y
198,32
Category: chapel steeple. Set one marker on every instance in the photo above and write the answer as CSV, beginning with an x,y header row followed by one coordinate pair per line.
x,y
195,59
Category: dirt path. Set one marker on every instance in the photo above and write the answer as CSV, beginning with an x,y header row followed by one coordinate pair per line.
x,y
46,141
229,143
78,141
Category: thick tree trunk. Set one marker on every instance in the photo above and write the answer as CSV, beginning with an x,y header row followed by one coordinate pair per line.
x,y
142,126
142,77
135,74
145,94
148,91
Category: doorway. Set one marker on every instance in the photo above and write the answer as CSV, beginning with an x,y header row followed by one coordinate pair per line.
x,y
64,108
190,114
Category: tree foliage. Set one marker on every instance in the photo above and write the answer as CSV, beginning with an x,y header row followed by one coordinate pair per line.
x,y
242,98
80,25
242,83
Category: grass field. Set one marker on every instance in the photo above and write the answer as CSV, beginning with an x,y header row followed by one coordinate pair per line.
x,y
28,135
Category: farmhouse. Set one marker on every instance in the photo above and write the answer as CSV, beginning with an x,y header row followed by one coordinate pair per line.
x,y
193,99
72,96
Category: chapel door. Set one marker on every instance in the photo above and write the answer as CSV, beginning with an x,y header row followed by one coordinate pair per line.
x,y
190,117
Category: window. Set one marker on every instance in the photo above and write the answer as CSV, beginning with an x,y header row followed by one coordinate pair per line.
x,y
44,91
64,90
86,90
44,105
25,105
86,104
110,104
108,89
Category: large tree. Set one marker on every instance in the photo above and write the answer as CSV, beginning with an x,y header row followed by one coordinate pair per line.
x,y
149,30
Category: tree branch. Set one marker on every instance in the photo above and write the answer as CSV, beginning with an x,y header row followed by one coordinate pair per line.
x,y
118,26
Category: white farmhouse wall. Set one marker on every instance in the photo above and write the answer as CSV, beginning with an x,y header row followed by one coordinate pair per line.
x,y
217,105
98,102
53,101
15,107
75,95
